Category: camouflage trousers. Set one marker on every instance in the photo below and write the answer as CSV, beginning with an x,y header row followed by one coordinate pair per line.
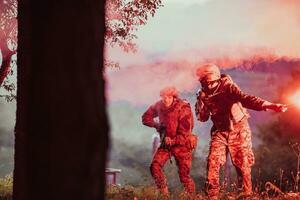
x,y
239,146
183,158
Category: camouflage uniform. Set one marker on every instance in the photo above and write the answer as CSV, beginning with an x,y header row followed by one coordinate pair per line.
x,y
178,120
230,132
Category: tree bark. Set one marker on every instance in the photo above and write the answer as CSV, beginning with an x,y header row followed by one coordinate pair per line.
x,y
61,133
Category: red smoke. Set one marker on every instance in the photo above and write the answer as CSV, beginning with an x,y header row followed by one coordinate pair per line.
x,y
140,83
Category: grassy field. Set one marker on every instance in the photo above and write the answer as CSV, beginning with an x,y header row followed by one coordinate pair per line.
x,y
128,192
6,184
150,193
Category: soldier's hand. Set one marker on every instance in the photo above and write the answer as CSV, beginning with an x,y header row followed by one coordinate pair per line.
x,y
169,141
277,107
193,140
160,128
282,107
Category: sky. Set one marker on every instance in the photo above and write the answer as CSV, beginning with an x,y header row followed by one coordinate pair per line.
x,y
183,34
184,25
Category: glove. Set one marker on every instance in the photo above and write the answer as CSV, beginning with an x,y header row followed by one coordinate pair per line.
x,y
160,128
193,140
277,107
169,141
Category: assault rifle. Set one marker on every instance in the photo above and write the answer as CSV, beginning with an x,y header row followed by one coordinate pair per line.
x,y
163,142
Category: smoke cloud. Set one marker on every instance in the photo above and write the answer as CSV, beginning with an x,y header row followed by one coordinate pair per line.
x,y
141,82
256,42
277,25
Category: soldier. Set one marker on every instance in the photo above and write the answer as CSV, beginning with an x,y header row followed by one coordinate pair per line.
x,y
175,124
222,100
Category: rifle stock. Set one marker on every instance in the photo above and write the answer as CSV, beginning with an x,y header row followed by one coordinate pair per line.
x,y
164,145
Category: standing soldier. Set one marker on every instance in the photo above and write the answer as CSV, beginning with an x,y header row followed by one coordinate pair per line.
x,y
175,124
222,100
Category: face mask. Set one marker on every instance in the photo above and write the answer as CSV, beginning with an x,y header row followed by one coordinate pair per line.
x,y
209,85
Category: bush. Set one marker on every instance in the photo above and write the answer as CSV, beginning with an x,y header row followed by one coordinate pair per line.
x,y
6,185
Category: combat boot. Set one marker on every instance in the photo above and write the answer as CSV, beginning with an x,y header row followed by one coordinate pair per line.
x,y
213,197
244,195
165,192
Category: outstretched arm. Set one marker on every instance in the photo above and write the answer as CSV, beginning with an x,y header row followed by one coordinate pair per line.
x,y
248,101
277,107
253,102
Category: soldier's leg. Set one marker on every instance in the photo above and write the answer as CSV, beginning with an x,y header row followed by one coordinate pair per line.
x,y
227,173
244,182
242,156
159,160
216,158
183,158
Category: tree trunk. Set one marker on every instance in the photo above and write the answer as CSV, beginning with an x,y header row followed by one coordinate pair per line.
x,y
61,126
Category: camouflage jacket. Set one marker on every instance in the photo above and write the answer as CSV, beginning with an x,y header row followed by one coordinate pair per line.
x,y
177,118
226,105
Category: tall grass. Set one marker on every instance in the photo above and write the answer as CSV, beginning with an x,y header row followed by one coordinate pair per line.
x,y
6,185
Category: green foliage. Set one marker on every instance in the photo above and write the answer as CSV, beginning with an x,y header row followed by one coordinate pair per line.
x,y
6,185
10,89
275,159
145,192
123,17
8,24
128,192
8,86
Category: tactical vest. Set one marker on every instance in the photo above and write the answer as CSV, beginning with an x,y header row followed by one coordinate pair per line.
x,y
224,111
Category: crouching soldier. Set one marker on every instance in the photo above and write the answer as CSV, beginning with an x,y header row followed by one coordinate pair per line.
x,y
221,100
175,124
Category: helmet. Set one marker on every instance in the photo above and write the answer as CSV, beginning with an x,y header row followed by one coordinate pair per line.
x,y
169,91
209,72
